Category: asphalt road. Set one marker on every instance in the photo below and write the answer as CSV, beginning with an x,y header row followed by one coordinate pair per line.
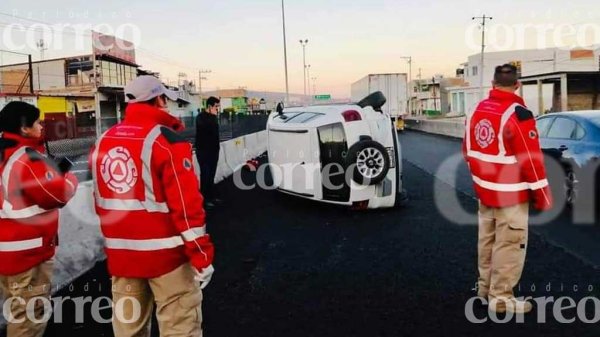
x,y
291,267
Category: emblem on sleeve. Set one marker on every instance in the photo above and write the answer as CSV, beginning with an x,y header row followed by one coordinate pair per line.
x,y
187,164
484,133
532,134
118,170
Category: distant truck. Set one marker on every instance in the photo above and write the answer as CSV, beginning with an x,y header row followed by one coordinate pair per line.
x,y
394,88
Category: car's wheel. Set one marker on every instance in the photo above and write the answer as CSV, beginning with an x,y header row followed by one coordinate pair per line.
x,y
369,161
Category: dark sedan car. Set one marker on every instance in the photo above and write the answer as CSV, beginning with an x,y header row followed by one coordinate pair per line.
x,y
572,139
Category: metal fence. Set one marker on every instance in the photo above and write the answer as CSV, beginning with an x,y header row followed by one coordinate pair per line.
x,y
232,127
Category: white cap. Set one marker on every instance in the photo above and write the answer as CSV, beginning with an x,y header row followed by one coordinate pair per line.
x,y
145,88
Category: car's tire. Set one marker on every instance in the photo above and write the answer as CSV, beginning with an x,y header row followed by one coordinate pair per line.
x,y
375,100
369,162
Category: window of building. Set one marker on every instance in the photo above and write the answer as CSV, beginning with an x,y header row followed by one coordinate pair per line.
x,y
474,70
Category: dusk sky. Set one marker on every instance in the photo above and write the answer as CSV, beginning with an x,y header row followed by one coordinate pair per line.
x,y
241,41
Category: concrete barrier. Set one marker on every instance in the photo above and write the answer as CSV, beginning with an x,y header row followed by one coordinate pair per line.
x,y
251,145
223,170
452,127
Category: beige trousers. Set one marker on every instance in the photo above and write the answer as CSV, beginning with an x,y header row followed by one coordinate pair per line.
x,y
23,288
178,301
502,248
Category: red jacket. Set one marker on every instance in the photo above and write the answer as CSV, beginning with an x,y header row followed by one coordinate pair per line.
x,y
32,189
502,149
147,196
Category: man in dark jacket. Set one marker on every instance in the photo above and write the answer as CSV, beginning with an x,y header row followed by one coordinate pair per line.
x,y
207,149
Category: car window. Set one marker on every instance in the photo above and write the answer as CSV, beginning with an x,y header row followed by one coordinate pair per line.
x,y
297,117
543,124
562,128
285,117
304,117
579,132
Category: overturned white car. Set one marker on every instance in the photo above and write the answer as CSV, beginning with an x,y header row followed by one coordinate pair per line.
x,y
345,154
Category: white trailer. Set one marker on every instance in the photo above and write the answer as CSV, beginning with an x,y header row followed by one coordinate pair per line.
x,y
393,87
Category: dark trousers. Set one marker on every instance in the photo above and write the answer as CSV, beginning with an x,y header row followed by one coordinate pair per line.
x,y
208,170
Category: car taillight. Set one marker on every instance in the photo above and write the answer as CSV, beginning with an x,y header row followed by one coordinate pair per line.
x,y
351,115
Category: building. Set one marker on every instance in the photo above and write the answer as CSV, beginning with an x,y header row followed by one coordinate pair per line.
x,y
82,96
431,96
554,79
75,100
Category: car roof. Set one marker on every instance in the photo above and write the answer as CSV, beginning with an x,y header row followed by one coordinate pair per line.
x,y
581,114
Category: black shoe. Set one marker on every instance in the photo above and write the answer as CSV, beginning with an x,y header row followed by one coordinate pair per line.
x,y
209,206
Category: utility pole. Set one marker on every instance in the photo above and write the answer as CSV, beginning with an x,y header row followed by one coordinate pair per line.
x,y
419,91
434,98
308,80
304,43
200,78
314,79
287,83
408,91
483,19
181,77
42,47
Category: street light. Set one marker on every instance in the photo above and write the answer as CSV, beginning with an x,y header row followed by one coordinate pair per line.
x,y
308,78
304,43
287,83
408,92
200,78
314,79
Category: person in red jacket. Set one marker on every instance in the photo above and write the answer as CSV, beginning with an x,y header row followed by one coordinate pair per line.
x,y
150,208
501,147
32,189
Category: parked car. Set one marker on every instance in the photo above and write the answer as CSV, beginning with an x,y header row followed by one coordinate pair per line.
x,y
573,140
345,154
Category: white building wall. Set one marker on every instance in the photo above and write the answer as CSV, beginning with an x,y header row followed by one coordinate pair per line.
x,y
533,62
47,75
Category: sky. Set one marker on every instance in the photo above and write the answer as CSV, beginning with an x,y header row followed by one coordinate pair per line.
x,y
241,41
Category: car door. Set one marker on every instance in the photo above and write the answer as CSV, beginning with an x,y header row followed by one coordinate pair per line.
x,y
561,139
543,125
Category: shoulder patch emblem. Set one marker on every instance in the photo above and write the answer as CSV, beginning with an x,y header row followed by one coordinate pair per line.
x,y
532,134
484,133
187,164
523,114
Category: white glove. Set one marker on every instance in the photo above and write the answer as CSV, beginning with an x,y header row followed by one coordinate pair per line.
x,y
204,276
